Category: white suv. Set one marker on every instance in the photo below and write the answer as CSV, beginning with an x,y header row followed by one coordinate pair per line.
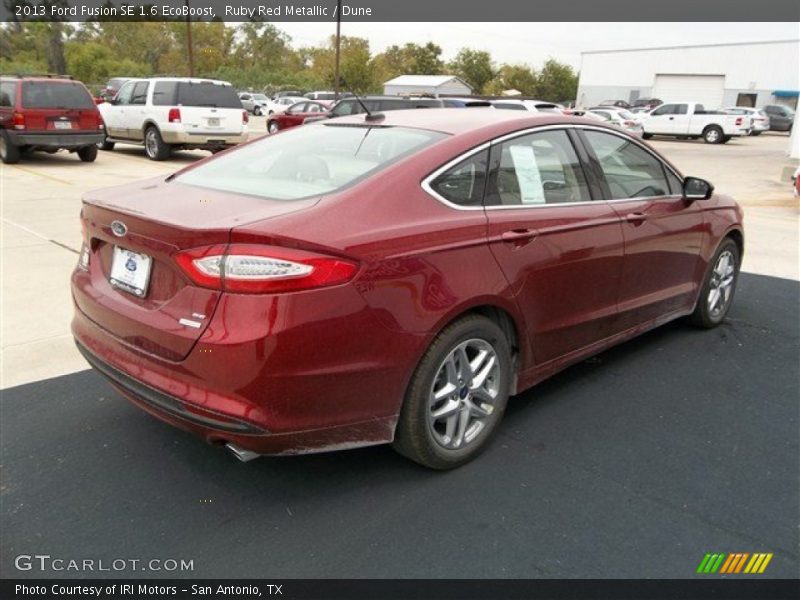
x,y
174,112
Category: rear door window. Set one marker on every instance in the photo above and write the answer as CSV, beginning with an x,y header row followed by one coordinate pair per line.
x,y
164,93
464,183
49,94
536,169
206,93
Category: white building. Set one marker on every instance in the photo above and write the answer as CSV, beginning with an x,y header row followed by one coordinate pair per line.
x,y
737,74
426,84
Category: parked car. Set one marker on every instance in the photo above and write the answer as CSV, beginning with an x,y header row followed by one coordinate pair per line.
x,y
690,120
529,105
620,118
465,103
617,103
758,118
377,104
781,118
295,115
796,182
328,96
487,254
47,113
284,93
170,113
254,102
279,104
646,103
112,87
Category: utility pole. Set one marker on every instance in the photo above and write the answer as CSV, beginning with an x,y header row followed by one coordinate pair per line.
x,y
338,48
189,45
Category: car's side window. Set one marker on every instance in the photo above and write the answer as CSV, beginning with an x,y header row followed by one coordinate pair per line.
x,y
245,97
464,183
125,93
164,93
344,108
667,109
681,109
140,92
631,171
675,183
536,169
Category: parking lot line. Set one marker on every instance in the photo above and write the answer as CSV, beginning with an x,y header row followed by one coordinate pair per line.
x,y
39,235
56,179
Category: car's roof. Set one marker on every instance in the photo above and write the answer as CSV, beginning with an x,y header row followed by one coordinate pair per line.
x,y
458,120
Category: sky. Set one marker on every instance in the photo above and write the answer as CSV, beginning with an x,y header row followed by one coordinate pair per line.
x,y
534,43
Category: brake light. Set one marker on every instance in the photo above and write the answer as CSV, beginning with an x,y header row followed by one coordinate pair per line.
x,y
257,269
629,123
174,115
100,124
19,120
738,120
245,117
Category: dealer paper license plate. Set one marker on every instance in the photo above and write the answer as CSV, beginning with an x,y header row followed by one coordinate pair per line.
x,y
130,271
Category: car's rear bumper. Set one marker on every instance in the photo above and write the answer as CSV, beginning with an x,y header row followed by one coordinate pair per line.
x,y
205,138
55,140
273,386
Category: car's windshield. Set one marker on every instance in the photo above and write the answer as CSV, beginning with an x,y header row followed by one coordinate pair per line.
x,y
49,94
625,114
309,161
259,97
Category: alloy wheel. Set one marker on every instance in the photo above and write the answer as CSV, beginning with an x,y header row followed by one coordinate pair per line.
x,y
150,143
721,284
463,394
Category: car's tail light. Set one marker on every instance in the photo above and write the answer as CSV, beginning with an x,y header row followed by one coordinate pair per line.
x,y
629,123
245,117
19,121
257,269
738,120
174,115
100,124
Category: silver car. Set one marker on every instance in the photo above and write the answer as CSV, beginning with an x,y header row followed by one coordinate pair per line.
x,y
253,102
620,117
759,119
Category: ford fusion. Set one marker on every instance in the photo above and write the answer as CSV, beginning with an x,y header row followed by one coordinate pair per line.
x,y
391,278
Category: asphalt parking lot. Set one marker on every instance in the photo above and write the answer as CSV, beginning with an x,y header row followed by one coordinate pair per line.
x,y
632,464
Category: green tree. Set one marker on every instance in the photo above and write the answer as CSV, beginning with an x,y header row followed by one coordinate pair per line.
x,y
556,82
411,59
513,77
474,67
357,68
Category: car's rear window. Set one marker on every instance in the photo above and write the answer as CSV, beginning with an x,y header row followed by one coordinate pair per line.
x,y
309,161
206,93
51,94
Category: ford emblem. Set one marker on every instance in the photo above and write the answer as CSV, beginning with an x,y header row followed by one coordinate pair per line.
x,y
119,228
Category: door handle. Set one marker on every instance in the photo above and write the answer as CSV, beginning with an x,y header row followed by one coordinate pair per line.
x,y
518,237
672,118
636,218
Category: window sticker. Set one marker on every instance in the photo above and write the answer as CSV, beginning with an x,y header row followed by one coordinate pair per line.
x,y
528,176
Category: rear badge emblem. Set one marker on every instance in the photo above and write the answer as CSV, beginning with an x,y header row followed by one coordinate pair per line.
x,y
119,228
130,265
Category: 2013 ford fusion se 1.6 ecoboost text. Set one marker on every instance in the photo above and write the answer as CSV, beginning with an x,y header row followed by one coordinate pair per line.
x,y
391,278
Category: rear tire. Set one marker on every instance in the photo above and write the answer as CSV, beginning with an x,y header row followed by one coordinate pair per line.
x,y
457,395
106,145
9,153
257,111
713,135
88,153
155,147
755,133
273,127
719,286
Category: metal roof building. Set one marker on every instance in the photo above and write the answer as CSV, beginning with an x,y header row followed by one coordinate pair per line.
x,y
733,74
426,84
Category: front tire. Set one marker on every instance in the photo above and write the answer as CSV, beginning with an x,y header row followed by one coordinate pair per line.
x,y
272,127
719,286
257,111
9,153
155,147
457,395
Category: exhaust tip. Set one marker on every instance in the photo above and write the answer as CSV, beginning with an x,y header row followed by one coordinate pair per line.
x,y
242,454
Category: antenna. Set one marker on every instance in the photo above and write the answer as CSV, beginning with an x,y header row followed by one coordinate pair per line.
x,y
370,115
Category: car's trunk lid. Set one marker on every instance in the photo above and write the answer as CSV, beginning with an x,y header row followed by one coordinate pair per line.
x,y
58,106
160,219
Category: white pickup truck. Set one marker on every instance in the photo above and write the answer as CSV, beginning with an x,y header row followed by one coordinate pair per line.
x,y
690,120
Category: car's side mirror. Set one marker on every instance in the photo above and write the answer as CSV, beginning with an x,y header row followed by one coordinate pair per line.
x,y
695,188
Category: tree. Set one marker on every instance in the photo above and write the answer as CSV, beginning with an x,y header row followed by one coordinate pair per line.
x,y
357,68
411,59
513,77
474,67
556,82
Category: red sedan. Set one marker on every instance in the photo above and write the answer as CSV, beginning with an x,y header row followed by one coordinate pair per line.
x,y
357,282
296,114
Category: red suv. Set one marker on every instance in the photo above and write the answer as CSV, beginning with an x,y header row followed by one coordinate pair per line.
x,y
47,113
